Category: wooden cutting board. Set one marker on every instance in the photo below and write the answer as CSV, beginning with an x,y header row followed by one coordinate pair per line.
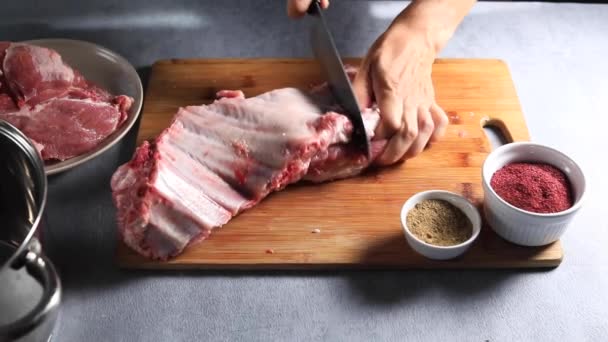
x,y
358,218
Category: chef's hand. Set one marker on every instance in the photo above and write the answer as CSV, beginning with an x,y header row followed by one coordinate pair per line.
x,y
396,74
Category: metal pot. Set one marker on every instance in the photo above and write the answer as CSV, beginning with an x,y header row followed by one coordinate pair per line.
x,y
23,190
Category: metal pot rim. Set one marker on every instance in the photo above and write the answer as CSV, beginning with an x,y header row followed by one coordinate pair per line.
x,y
12,133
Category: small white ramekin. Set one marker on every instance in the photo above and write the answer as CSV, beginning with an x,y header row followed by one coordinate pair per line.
x,y
520,226
441,252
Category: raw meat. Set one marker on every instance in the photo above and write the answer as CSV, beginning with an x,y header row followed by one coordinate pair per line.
x,y
217,160
6,102
54,105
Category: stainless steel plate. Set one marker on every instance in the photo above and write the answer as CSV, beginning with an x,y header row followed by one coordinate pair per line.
x,y
109,71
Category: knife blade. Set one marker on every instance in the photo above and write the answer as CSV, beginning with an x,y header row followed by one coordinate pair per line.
x,y
329,59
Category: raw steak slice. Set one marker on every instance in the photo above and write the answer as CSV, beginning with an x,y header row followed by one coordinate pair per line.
x,y
6,102
217,160
68,127
36,74
7,105
54,105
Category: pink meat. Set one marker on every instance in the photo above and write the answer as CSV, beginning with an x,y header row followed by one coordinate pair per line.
x,y
63,114
36,74
69,127
7,104
217,160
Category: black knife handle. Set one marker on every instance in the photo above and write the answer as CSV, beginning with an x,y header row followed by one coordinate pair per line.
x,y
314,8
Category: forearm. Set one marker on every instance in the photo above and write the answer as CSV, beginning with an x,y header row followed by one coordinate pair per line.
x,y
436,19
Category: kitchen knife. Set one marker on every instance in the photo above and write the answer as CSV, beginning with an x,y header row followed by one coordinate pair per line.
x,y
326,53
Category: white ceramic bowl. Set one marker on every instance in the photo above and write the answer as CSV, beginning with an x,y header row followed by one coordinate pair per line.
x,y
106,69
441,252
520,226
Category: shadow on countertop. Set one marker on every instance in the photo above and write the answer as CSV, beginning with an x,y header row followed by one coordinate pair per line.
x,y
371,288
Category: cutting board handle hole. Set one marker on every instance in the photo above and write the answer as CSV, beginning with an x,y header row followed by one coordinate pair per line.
x,y
497,132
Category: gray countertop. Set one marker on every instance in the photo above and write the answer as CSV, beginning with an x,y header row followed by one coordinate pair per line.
x,y
557,56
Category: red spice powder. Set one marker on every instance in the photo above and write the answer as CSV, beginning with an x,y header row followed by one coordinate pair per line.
x,y
535,187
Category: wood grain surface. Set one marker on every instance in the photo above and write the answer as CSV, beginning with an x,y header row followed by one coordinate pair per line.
x,y
358,218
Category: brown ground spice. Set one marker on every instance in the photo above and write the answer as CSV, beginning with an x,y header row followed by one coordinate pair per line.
x,y
439,223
